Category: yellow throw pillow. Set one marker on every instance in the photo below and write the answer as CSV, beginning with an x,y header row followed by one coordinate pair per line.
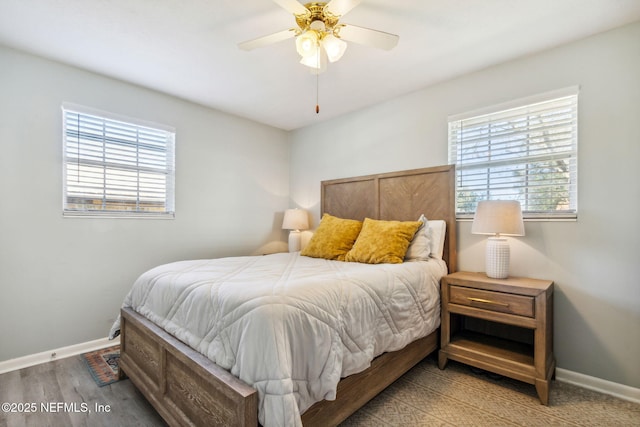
x,y
333,238
383,241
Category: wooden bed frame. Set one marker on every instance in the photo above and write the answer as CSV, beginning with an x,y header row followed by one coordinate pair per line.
x,y
187,389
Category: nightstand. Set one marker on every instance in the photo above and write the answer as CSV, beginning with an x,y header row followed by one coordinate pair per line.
x,y
500,325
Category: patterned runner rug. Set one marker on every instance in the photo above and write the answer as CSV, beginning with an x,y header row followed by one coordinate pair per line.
x,y
103,364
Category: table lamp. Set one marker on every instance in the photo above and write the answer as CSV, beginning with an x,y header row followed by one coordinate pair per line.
x,y
498,218
295,220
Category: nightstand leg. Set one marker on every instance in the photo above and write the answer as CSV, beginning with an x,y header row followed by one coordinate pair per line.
x,y
442,359
542,387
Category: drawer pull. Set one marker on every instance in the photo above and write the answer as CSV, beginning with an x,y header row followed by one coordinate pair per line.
x,y
486,301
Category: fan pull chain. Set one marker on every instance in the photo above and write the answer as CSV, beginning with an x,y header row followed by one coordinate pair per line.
x,y
318,81
317,93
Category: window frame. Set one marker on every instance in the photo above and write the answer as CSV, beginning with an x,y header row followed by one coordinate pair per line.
x,y
570,155
147,168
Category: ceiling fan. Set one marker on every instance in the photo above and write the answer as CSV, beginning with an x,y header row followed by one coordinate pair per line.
x,y
320,35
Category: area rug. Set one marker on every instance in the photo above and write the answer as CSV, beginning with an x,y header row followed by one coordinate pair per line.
x,y
460,396
103,364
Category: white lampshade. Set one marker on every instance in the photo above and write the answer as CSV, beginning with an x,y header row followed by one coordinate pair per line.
x,y
295,219
498,217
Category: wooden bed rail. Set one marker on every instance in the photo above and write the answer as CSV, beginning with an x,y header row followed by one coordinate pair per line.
x,y
203,394
183,392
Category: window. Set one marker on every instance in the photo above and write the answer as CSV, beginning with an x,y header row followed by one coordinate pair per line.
x,y
116,166
525,151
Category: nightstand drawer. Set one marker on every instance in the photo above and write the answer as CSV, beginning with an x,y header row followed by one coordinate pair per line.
x,y
494,301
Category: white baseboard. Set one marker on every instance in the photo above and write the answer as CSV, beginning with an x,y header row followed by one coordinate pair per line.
x,y
60,353
622,391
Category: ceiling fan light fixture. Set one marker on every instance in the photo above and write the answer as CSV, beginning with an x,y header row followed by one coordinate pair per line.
x,y
318,25
317,62
319,30
320,36
307,43
334,47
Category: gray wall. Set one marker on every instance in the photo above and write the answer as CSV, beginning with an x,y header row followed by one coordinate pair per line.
x,y
592,260
62,280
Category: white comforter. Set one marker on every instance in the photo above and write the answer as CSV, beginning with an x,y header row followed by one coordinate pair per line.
x,y
291,326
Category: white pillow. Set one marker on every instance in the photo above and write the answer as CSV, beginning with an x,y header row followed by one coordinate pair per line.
x,y
438,233
420,247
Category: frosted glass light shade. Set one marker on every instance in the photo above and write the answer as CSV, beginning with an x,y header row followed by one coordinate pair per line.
x,y
334,47
317,62
307,43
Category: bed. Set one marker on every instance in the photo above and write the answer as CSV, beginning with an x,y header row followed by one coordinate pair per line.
x,y
187,388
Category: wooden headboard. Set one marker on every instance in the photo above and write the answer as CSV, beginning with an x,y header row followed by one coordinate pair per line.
x,y
401,196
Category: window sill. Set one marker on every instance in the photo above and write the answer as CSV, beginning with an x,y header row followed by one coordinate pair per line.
x,y
117,215
560,218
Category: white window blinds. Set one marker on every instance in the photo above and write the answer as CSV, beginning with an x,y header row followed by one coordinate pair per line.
x,y
526,153
115,166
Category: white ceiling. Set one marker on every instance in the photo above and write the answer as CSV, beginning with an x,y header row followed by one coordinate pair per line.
x,y
188,48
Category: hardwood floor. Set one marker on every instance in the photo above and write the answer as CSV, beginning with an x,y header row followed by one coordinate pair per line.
x,y
65,394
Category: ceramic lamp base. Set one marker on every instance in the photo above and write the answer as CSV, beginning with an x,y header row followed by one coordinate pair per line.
x,y
497,258
294,241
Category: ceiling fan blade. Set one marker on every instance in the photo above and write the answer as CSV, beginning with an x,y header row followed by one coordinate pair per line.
x,y
266,40
341,7
292,6
369,37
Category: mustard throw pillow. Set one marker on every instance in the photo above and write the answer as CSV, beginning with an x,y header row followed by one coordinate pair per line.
x,y
333,238
383,241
